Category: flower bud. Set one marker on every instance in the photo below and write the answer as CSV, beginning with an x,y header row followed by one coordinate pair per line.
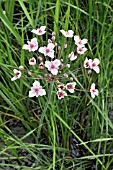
x,y
53,38
90,72
59,48
68,65
39,58
21,68
30,73
65,45
53,33
66,75
49,41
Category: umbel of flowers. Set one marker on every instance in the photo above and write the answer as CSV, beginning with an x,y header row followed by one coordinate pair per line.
x,y
52,65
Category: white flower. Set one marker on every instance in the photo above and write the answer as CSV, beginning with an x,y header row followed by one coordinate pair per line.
x,y
53,66
36,90
61,94
32,61
86,63
72,57
81,50
94,65
70,87
31,46
68,33
39,31
17,75
79,42
93,91
47,51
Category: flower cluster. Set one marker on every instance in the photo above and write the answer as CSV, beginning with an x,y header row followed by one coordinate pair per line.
x,y
51,65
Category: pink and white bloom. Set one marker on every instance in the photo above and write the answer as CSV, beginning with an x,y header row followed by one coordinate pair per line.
x,y
72,57
31,46
68,33
32,61
81,50
47,51
61,94
87,63
53,66
17,74
93,91
79,42
70,87
39,31
36,90
94,65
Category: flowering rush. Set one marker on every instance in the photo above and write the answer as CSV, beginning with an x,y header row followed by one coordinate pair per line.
x,y
52,65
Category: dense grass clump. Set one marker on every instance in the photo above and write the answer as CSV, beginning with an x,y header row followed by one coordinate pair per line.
x,y
44,132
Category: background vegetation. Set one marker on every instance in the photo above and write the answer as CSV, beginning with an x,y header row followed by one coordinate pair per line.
x,y
45,133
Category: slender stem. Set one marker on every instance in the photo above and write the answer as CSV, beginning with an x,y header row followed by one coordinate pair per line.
x,y
45,109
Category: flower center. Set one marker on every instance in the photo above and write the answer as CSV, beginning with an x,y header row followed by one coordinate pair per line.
x,y
87,64
17,74
70,86
80,42
94,64
31,45
93,90
32,60
36,90
80,49
52,66
40,31
47,50
60,94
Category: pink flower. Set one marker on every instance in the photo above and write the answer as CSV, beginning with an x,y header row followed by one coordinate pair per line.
x,y
94,65
32,61
81,50
61,94
72,57
86,63
39,31
47,51
68,33
36,90
17,75
70,87
53,66
79,42
31,46
93,91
